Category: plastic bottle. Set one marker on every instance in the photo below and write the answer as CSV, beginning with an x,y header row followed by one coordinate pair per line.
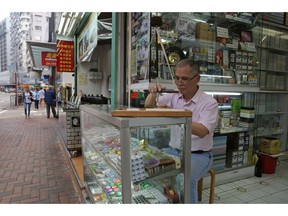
x,y
258,168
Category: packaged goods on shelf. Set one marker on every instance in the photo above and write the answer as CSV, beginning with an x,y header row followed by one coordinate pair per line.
x,y
269,145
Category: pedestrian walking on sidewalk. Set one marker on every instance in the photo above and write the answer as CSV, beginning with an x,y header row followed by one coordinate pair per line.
x,y
41,95
50,100
27,101
59,96
36,98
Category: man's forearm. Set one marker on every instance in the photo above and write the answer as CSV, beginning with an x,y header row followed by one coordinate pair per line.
x,y
150,101
199,130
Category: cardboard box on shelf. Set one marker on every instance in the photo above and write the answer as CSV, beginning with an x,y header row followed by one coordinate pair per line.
x,y
270,145
202,26
202,35
210,36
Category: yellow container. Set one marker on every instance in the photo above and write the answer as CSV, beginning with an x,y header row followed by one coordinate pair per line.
x,y
270,145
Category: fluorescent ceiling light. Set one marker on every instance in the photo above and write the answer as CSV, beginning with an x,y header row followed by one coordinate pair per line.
x,y
219,76
198,20
263,38
60,25
223,93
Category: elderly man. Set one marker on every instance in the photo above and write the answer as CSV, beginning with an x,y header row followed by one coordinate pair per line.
x,y
204,119
50,100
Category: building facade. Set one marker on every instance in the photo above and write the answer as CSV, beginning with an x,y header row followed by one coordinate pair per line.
x,y
5,51
26,26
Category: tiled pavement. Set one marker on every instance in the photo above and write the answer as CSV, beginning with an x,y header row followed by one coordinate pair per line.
x,y
34,167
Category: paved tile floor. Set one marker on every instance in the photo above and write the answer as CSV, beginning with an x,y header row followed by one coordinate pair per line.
x,y
268,189
34,167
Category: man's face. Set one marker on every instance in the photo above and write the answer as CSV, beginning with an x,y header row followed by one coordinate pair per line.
x,y
185,80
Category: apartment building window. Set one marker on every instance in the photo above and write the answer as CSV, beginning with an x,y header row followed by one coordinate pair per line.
x,y
38,18
38,27
24,20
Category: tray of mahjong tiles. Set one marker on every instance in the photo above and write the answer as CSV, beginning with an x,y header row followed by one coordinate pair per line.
x,y
151,112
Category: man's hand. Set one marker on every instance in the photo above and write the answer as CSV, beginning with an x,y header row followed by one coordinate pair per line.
x,y
154,88
164,106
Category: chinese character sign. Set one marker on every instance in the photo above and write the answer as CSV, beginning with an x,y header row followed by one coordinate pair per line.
x,y
49,58
65,56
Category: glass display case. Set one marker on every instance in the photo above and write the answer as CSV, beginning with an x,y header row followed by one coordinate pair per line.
x,y
124,162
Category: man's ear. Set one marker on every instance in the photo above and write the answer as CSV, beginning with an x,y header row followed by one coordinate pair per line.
x,y
198,78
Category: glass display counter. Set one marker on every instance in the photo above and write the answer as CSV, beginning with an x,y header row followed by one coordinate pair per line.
x,y
124,162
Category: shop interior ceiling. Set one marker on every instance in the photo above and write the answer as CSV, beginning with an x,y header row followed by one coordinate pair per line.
x,y
105,17
68,23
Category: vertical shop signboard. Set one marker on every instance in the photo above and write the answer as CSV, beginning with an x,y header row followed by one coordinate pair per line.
x,y
140,47
65,56
49,58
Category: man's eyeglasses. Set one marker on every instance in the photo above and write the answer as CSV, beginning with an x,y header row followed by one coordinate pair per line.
x,y
185,79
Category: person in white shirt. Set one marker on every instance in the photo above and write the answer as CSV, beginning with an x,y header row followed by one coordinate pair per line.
x,y
41,95
36,98
27,101
59,96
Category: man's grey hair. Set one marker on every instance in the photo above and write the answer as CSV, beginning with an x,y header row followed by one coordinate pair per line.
x,y
194,66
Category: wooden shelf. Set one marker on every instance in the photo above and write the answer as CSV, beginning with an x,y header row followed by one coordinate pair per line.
x,y
271,113
153,112
273,24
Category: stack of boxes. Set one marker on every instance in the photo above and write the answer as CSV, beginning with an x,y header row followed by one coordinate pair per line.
x,y
222,34
239,148
200,54
203,32
269,145
222,56
137,168
247,115
244,66
219,152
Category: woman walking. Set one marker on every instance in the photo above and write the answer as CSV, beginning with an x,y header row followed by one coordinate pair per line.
x,y
27,100
36,98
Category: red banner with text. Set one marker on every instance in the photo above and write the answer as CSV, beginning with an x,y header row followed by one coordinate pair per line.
x,y
49,58
65,56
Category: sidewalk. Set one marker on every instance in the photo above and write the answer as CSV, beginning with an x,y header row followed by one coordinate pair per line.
x,y
34,167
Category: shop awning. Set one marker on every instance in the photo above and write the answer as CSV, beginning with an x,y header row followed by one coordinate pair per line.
x,y
36,48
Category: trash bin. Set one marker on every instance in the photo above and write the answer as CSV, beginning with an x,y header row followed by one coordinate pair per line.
x,y
268,164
